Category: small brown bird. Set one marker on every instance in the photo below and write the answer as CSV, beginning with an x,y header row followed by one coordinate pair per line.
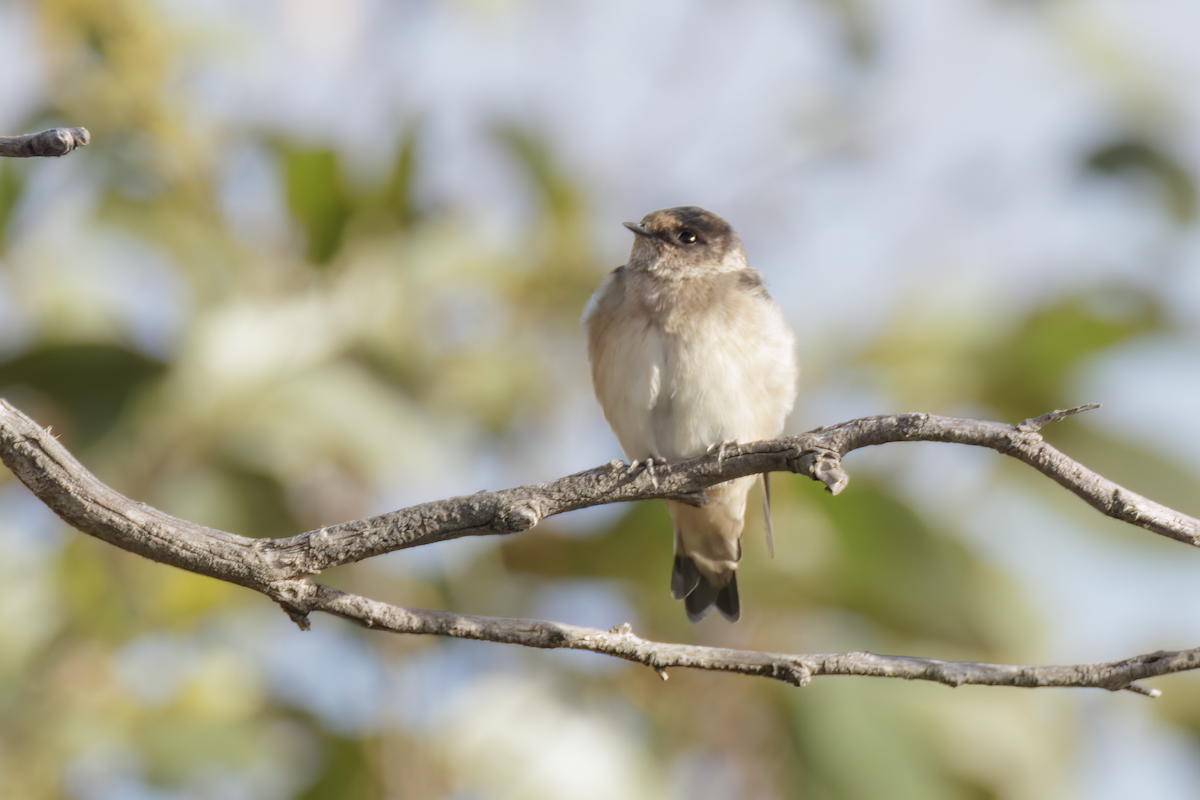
x,y
688,353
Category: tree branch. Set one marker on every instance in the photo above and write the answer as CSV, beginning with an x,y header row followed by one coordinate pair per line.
x,y
280,568
53,142
816,454
797,670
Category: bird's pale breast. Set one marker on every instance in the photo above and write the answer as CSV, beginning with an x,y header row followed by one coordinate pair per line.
x,y
688,364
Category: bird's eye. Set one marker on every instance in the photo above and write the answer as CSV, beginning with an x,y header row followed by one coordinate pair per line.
x,y
688,237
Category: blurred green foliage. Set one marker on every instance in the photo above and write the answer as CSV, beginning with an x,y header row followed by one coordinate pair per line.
x,y
325,206
11,181
290,391
1019,370
1031,368
88,384
1170,180
319,200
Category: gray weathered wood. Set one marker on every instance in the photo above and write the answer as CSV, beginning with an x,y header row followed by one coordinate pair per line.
x,y
281,568
53,142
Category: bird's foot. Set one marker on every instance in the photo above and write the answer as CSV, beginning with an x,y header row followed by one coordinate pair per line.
x,y
720,448
649,464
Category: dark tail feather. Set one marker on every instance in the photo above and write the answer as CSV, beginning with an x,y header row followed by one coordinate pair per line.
x,y
684,577
704,596
728,602
700,601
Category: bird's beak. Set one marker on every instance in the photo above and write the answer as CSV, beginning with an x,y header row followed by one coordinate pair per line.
x,y
636,228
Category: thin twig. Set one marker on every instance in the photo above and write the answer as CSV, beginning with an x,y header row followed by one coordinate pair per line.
x,y
1035,424
798,670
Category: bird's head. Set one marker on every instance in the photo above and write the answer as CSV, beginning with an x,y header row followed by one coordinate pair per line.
x,y
685,240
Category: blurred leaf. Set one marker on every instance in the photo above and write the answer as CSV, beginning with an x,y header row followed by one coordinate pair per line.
x,y
173,598
12,181
393,205
259,502
1029,372
398,194
406,373
894,569
858,25
557,193
484,386
943,363
346,770
985,743
903,765
1133,159
91,382
318,200
175,745
636,548
561,272
93,590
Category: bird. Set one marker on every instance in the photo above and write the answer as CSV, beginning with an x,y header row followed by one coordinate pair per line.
x,y
688,353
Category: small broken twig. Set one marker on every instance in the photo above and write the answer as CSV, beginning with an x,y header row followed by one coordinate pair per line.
x,y
52,143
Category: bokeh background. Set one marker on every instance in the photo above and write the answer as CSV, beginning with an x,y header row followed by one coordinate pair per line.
x,y
324,260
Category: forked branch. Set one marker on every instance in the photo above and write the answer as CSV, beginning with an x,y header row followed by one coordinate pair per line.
x,y
281,568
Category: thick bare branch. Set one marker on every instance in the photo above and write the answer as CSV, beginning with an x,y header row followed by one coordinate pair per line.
x,y
73,493
816,454
280,568
53,142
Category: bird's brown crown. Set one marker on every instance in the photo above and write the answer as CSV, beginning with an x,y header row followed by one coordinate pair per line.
x,y
686,238
670,223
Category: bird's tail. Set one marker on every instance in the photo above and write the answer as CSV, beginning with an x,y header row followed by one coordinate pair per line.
x,y
699,595
708,545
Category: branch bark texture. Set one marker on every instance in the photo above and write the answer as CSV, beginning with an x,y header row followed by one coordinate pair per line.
x,y
282,568
52,142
